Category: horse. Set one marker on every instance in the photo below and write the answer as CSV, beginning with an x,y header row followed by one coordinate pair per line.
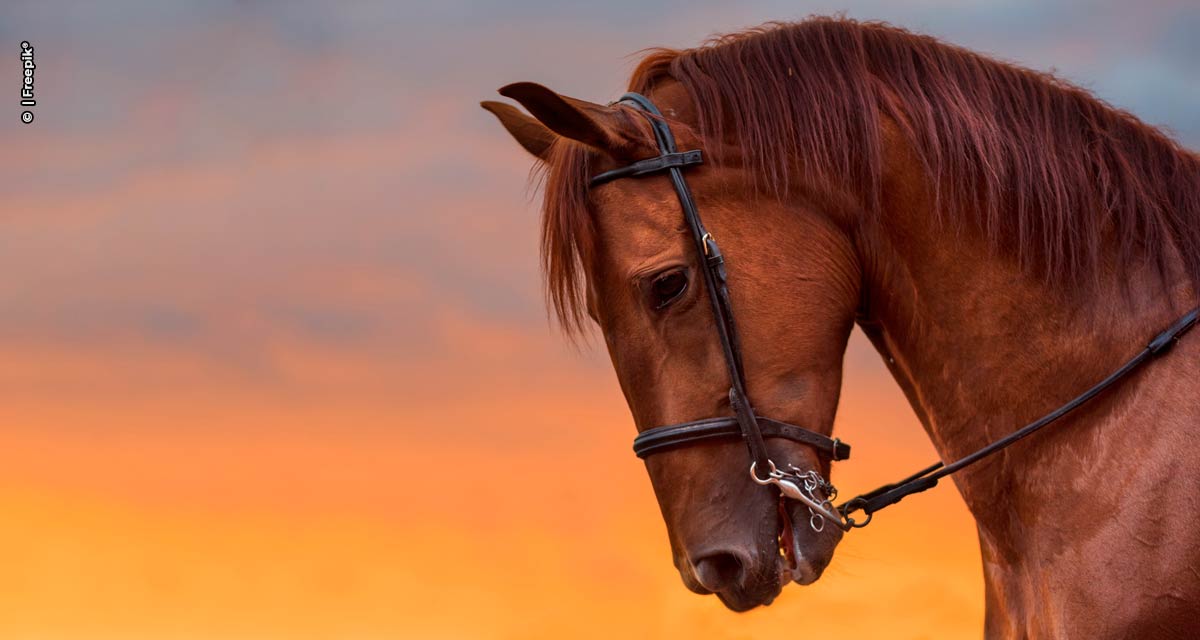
x,y
1002,237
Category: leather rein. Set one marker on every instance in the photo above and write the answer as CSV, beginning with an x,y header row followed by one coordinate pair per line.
x,y
808,487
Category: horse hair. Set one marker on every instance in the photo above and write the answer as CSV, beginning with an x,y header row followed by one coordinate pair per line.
x,y
1053,175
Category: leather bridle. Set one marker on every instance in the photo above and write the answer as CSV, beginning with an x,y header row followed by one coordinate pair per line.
x,y
807,487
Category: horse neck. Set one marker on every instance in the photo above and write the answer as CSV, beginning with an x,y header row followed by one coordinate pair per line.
x,y
981,347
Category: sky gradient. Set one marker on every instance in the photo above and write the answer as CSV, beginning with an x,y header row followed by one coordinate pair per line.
x,y
270,286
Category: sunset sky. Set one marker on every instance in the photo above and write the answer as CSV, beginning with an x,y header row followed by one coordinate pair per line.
x,y
274,360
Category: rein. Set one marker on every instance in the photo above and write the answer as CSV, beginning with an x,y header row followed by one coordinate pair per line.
x,y
807,487
928,477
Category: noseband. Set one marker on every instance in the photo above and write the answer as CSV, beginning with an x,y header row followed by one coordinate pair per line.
x,y
754,429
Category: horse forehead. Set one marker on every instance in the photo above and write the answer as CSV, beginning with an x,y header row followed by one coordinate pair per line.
x,y
641,217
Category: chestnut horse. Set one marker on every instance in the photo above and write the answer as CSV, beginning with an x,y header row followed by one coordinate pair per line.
x,y
1003,238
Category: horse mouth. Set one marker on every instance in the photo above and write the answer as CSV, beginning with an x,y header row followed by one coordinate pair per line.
x,y
786,539
795,565
797,553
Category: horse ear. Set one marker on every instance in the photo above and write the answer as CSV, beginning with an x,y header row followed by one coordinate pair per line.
x,y
597,126
531,134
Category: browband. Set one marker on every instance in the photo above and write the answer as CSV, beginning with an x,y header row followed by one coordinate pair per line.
x,y
649,165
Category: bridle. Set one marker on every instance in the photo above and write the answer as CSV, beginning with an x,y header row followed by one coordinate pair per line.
x,y
752,428
808,487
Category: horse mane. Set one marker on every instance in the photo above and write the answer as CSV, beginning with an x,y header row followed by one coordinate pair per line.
x,y
1050,173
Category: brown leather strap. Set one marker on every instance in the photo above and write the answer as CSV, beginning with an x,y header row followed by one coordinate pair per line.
x,y
660,439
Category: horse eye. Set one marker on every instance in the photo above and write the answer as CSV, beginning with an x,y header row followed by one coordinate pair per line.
x,y
667,288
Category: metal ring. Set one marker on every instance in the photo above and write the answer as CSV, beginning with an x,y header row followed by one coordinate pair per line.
x,y
850,507
770,476
858,525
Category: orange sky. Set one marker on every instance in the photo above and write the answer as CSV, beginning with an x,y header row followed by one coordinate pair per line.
x,y
269,287
220,513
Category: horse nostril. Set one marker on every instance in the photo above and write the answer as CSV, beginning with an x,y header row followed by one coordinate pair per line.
x,y
719,571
